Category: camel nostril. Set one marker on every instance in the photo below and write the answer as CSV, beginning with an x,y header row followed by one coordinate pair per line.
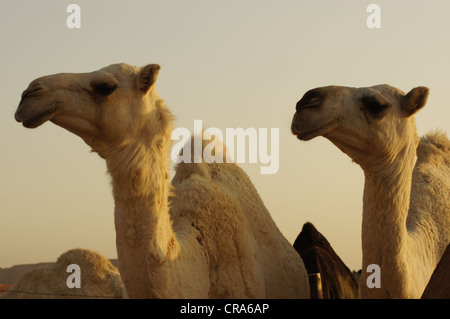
x,y
35,91
308,104
311,99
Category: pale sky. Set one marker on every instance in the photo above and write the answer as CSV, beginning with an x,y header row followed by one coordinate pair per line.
x,y
228,63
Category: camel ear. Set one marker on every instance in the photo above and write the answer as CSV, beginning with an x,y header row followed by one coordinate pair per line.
x,y
415,100
147,77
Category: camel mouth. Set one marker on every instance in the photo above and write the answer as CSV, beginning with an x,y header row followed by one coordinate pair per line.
x,y
38,119
306,135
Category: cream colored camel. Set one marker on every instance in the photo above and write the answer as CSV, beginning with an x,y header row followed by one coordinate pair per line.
x,y
99,279
213,238
406,208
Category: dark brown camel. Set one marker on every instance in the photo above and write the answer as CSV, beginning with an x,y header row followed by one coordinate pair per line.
x,y
439,285
337,280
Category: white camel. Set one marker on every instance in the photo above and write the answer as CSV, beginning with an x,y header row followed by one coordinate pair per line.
x,y
213,238
98,279
406,207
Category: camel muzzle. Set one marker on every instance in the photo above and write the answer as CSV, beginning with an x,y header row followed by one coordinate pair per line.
x,y
296,127
33,113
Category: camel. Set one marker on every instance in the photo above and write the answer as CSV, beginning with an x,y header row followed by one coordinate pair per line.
x,y
439,285
406,206
205,235
99,279
319,257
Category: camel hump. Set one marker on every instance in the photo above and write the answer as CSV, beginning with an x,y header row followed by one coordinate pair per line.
x,y
212,151
435,145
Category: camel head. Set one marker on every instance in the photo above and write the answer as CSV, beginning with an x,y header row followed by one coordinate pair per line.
x,y
103,107
367,123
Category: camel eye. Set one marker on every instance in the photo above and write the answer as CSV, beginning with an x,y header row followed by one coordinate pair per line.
x,y
104,88
375,107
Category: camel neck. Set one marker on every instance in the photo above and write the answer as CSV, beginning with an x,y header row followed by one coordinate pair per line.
x,y
141,191
385,237
144,234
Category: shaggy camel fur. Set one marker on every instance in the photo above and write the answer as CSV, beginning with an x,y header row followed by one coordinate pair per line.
x,y
213,238
99,278
406,207
337,280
